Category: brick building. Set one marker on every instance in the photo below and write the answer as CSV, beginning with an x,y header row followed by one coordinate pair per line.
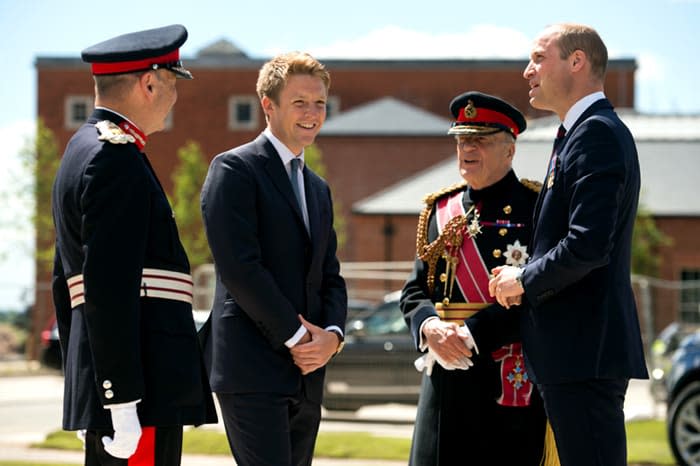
x,y
219,109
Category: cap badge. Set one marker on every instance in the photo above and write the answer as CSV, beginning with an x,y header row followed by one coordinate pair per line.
x,y
112,133
470,110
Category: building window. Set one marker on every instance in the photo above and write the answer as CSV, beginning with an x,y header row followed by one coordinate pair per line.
x,y
243,112
332,106
78,109
690,295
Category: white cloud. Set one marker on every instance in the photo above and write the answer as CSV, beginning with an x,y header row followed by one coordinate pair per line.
x,y
479,41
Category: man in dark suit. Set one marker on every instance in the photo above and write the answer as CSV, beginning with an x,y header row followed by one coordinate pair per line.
x,y
280,303
581,332
134,373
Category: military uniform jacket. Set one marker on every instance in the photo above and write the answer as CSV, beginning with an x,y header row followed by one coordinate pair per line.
x,y
112,220
504,219
459,408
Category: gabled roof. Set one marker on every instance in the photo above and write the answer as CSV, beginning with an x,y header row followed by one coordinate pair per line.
x,y
669,157
386,117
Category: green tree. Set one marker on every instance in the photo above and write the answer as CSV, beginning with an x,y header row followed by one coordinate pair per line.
x,y
188,179
41,158
313,157
646,241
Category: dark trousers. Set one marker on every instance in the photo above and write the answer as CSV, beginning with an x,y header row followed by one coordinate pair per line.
x,y
158,446
267,429
588,421
459,423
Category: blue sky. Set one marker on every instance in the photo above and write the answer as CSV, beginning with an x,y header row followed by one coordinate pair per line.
x,y
660,34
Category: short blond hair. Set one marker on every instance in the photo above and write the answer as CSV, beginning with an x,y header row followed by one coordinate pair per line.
x,y
572,37
274,74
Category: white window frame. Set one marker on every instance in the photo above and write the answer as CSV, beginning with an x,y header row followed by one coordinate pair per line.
x,y
332,106
233,102
68,114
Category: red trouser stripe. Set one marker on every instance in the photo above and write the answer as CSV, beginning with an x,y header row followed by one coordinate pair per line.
x,y
145,454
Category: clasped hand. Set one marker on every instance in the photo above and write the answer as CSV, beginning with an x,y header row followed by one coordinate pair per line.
x,y
449,344
315,348
505,287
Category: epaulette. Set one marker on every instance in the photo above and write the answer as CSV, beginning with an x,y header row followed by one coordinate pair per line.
x,y
531,185
112,133
430,199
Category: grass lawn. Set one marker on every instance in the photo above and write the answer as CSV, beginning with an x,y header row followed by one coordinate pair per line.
x,y
646,444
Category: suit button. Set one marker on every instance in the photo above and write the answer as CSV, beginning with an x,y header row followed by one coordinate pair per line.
x,y
107,384
496,253
109,394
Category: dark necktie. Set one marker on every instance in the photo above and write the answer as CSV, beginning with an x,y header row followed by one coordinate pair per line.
x,y
295,164
561,133
551,169
295,183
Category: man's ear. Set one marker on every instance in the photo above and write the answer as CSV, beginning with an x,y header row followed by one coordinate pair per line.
x,y
266,103
146,82
577,60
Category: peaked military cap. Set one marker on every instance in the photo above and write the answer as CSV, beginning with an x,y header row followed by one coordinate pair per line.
x,y
139,51
479,113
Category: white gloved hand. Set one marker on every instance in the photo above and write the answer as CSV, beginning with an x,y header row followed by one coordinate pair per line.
x,y
127,431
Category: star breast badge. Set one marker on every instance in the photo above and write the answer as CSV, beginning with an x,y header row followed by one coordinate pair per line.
x,y
516,254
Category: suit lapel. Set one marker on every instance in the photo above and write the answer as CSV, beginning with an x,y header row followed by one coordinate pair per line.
x,y
596,107
312,203
278,175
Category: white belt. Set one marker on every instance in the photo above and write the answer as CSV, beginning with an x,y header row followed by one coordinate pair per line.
x,y
155,283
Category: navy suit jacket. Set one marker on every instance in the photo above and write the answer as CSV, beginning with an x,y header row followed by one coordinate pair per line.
x,y
581,321
269,270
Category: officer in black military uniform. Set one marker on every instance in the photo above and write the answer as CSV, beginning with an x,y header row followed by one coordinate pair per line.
x,y
121,284
478,409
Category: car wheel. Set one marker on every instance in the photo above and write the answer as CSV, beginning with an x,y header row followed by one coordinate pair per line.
x,y
684,426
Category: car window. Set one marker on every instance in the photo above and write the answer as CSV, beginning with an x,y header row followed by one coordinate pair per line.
x,y
385,319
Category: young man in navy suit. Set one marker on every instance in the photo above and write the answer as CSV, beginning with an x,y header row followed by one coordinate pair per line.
x,y
280,303
581,332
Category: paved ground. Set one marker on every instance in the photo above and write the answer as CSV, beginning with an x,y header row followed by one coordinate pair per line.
x,y
30,401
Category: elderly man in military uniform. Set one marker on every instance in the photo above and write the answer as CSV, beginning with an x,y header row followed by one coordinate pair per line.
x,y
477,405
121,284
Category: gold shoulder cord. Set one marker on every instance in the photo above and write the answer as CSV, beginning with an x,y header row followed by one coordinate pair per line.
x,y
451,235
531,185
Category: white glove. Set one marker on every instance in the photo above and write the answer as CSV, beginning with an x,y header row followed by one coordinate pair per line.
x,y
127,431
428,360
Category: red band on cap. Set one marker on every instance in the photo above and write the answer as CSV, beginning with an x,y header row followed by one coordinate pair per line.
x,y
135,65
487,116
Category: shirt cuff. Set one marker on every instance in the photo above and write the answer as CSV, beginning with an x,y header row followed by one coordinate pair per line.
x,y
423,346
296,337
335,327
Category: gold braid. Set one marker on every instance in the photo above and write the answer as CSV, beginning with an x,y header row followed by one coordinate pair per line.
x,y
451,234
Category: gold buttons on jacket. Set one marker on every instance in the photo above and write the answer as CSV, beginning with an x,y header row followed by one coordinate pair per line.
x,y
507,209
496,253
503,231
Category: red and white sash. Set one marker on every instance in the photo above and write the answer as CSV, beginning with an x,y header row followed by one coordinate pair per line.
x,y
472,277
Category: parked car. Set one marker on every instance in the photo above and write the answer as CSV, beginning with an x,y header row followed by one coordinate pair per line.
x,y
662,349
683,387
50,355
376,365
